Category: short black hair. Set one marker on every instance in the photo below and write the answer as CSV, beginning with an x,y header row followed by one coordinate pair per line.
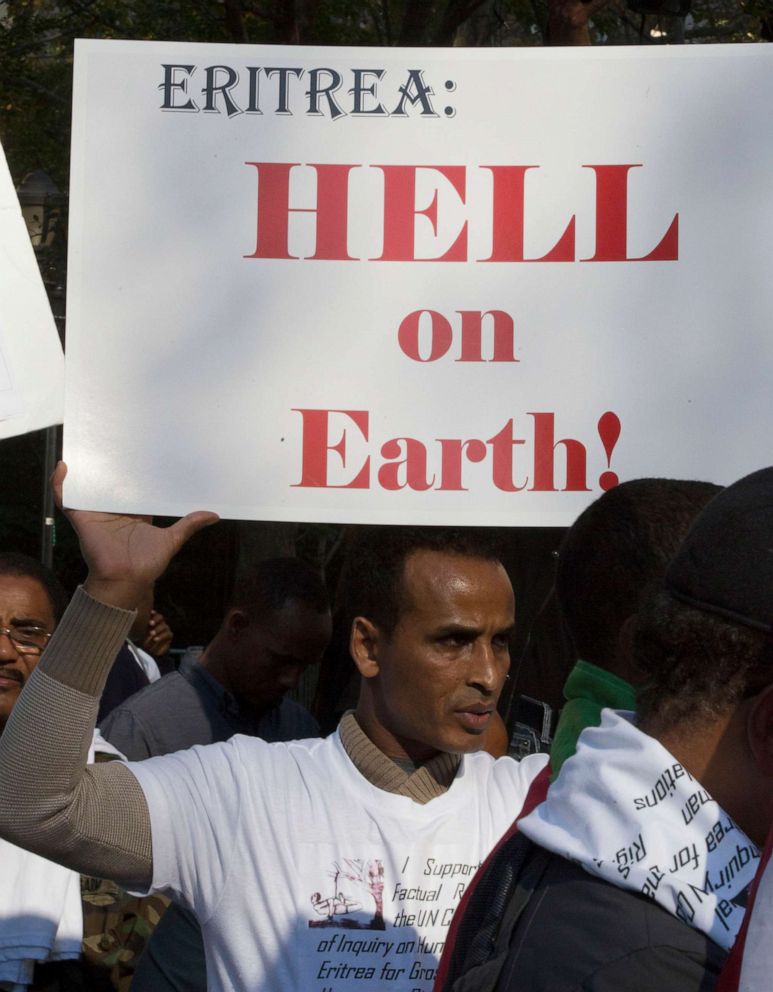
x,y
14,563
615,551
372,574
268,585
696,664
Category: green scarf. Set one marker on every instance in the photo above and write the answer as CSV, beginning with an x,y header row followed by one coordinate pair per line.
x,y
588,690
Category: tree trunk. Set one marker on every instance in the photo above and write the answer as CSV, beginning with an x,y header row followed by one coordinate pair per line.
x,y
569,20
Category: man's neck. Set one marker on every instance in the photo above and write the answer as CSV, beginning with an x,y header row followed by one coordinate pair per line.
x,y
716,755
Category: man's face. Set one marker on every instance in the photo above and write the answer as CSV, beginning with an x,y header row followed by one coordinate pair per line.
x,y
271,654
437,678
23,603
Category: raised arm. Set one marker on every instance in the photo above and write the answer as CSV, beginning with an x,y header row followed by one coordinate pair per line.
x,y
90,818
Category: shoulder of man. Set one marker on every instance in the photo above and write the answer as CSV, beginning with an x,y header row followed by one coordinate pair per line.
x,y
581,932
129,726
295,721
152,696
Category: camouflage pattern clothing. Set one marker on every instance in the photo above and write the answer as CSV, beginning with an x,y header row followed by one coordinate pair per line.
x,y
116,927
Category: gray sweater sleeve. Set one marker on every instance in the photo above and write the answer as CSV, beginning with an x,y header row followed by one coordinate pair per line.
x,y
91,818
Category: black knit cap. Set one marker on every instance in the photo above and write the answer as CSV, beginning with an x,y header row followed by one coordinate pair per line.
x,y
725,564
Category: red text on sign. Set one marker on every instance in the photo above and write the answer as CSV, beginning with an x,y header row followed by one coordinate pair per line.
x,y
335,445
398,212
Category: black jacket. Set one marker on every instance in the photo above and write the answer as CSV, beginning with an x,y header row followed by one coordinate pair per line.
x,y
538,923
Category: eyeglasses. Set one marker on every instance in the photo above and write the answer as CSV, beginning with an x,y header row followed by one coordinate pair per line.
x,y
27,640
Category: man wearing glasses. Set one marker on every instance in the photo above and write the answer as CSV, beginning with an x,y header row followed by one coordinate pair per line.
x,y
31,603
41,919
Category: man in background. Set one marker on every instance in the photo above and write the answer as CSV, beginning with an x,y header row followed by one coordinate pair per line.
x,y
41,919
638,864
612,555
277,626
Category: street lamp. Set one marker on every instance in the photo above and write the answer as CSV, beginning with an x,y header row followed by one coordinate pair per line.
x,y
42,206
40,201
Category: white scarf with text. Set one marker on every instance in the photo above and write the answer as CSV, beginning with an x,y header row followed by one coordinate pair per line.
x,y
626,810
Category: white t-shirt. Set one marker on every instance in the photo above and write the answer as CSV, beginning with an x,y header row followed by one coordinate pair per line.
x,y
307,878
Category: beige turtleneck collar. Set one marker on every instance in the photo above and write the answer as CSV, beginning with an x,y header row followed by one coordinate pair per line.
x,y
431,780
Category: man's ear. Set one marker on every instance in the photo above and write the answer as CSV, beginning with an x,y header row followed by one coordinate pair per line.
x,y
235,622
363,646
760,730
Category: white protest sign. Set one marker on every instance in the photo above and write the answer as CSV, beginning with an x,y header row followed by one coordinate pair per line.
x,y
445,286
31,361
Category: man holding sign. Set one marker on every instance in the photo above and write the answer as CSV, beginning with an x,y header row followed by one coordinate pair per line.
x,y
315,865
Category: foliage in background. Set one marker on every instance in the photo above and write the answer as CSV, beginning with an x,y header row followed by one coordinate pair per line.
x,y
36,41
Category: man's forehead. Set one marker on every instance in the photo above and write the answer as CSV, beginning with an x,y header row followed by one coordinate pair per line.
x,y
25,595
432,579
293,625
291,611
